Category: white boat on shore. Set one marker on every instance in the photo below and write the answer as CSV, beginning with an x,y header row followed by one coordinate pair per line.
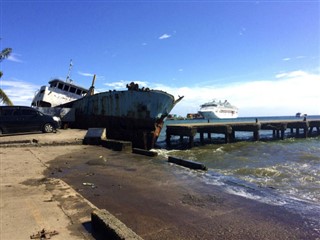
x,y
136,114
58,92
218,109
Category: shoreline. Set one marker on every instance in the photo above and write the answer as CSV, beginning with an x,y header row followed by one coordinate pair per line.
x,y
155,199
158,200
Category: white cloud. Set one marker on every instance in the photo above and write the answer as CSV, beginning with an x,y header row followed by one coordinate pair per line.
x,y
121,85
292,74
289,58
14,57
242,31
85,74
285,94
288,93
98,78
164,36
19,92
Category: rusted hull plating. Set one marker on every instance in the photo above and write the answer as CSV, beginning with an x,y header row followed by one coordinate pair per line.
x,y
142,133
133,115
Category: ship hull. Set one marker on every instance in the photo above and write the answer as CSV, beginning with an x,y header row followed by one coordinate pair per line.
x,y
218,109
133,115
217,115
142,133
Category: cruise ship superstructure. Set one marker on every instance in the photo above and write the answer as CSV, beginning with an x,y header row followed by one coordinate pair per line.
x,y
218,109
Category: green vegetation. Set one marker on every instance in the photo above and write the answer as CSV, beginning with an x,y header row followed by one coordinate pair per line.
x,y
3,97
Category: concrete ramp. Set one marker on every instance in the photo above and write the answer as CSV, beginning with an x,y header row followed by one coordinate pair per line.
x,y
106,226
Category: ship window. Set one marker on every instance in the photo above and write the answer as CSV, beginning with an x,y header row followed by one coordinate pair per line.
x,y
44,104
66,88
53,85
72,89
60,86
78,91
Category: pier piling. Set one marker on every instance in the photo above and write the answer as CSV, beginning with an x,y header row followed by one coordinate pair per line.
x,y
228,129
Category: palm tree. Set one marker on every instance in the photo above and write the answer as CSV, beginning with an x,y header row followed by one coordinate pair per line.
x,y
3,97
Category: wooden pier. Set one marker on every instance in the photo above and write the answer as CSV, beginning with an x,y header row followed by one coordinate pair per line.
x,y
298,128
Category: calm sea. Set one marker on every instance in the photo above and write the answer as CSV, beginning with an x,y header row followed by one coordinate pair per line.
x,y
279,172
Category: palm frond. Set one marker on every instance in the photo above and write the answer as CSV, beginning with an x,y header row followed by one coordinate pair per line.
x,y
5,53
5,99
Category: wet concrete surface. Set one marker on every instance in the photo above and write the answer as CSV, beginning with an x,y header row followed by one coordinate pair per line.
x,y
44,180
158,200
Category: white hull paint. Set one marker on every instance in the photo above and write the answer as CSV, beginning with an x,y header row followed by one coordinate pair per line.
x,y
220,110
57,93
217,114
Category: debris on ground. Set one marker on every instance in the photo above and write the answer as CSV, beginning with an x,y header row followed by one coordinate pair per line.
x,y
43,234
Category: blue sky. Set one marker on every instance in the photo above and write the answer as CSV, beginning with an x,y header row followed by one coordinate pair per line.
x,y
262,56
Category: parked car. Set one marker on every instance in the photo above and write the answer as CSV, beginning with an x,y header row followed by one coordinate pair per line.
x,y
17,119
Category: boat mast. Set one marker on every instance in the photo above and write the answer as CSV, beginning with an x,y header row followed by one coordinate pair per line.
x,y
91,89
68,79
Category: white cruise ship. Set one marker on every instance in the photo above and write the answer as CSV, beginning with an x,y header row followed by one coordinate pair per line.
x,y
218,109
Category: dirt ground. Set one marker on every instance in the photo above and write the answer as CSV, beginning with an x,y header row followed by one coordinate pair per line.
x,y
56,186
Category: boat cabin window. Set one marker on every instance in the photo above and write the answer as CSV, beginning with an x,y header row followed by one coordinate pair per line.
x,y
72,89
60,86
66,88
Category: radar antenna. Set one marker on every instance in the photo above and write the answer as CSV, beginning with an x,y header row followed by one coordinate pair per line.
x,y
68,79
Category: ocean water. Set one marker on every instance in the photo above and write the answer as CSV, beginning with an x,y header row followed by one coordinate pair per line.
x,y
278,172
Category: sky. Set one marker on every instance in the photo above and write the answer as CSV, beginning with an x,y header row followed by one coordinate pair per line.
x,y
261,56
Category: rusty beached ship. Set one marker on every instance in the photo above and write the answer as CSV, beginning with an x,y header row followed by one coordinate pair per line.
x,y
136,114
